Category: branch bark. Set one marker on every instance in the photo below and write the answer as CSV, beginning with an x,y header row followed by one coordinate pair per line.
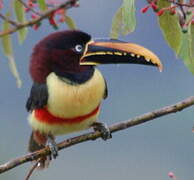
x,y
94,135
30,8
66,5
189,4
8,20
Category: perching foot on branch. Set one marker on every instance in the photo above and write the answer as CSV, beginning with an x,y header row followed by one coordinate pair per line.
x,y
103,128
53,147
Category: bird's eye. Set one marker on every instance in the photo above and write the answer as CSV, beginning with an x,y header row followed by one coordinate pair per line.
x,y
79,48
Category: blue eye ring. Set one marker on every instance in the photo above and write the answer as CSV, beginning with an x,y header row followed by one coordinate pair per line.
x,y
79,48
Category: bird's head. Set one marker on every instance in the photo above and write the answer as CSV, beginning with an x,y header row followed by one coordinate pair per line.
x,y
75,51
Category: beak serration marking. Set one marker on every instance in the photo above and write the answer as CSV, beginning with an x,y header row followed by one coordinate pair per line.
x,y
109,53
118,53
133,55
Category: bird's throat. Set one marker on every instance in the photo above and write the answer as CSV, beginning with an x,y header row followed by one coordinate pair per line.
x,y
77,77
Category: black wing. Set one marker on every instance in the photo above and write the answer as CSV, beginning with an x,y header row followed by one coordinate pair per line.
x,y
38,97
106,90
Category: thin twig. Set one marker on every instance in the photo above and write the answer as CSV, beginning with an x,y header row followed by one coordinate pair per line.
x,y
190,4
181,4
32,170
68,4
30,8
8,20
94,135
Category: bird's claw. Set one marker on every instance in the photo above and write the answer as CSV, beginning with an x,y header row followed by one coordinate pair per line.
x,y
103,128
53,147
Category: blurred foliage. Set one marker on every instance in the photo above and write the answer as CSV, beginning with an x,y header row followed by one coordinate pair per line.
x,y
170,27
20,16
8,51
124,21
178,31
42,4
175,24
70,22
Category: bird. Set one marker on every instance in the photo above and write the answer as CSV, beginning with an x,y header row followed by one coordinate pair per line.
x,y
68,89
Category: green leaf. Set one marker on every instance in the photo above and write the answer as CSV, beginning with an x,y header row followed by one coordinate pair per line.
x,y
192,40
42,5
13,68
8,51
170,27
20,16
70,22
124,20
6,40
116,24
128,16
187,48
181,43
22,34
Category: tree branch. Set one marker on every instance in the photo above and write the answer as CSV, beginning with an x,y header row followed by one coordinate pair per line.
x,y
8,20
190,4
94,135
30,8
66,5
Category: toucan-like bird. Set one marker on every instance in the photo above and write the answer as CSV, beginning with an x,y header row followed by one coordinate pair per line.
x,y
67,87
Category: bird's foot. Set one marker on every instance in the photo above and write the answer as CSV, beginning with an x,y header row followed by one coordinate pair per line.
x,y
103,128
53,147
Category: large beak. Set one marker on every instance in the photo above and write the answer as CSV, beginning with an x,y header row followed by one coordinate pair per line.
x,y
118,52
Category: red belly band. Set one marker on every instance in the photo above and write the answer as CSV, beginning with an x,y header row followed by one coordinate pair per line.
x,y
43,115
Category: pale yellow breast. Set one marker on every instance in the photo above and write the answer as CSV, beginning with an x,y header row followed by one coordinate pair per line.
x,y
68,101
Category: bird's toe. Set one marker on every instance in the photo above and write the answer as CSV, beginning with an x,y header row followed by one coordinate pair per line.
x,y
103,128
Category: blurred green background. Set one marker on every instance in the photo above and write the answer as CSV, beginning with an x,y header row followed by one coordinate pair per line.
x,y
145,152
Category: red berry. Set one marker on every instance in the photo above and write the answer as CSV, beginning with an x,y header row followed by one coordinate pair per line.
x,y
35,27
1,4
52,21
144,10
160,12
154,6
62,19
34,16
171,175
26,9
172,11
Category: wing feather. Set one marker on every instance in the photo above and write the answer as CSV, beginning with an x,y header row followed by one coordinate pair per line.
x,y
38,97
